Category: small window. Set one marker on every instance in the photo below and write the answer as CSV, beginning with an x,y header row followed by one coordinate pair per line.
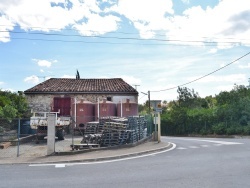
x,y
109,98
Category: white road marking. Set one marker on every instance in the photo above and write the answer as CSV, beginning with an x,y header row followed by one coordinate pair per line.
x,y
59,165
193,147
218,144
205,146
212,141
100,162
181,148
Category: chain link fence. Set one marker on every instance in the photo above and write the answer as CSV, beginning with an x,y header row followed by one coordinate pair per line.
x,y
18,139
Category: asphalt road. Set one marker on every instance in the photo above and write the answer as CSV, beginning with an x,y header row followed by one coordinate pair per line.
x,y
195,162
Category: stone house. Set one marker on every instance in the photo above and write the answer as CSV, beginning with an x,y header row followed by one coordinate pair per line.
x,y
62,93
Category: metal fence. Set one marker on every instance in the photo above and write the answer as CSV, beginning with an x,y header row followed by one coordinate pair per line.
x,y
17,139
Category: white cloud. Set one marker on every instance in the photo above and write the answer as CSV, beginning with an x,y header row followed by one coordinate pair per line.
x,y
68,76
8,89
185,1
145,15
226,24
48,15
43,63
131,80
6,26
32,79
95,25
224,88
1,83
41,70
213,51
244,66
233,78
218,24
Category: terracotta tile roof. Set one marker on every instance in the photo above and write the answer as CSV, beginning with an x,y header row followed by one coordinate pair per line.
x,y
67,85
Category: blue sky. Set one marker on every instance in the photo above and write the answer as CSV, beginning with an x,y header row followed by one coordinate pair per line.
x,y
156,44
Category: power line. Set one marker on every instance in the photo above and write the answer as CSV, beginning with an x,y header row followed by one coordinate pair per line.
x,y
118,32
100,42
122,38
204,75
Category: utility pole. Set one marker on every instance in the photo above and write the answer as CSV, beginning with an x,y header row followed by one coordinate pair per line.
x,y
149,102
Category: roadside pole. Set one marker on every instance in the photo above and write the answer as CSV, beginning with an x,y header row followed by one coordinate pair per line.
x,y
159,127
18,137
157,112
51,134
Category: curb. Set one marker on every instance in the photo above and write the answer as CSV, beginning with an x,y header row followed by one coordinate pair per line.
x,y
101,148
168,146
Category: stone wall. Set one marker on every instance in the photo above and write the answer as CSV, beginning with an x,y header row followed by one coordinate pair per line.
x,y
44,102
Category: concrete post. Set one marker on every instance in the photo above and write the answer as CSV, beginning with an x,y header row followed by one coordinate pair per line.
x,y
51,134
159,127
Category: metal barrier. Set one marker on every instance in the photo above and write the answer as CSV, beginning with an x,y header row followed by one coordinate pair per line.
x,y
17,139
109,132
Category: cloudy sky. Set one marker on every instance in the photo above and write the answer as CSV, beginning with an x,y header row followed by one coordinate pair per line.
x,y
154,45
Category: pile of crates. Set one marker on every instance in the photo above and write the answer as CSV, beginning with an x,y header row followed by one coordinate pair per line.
x,y
118,131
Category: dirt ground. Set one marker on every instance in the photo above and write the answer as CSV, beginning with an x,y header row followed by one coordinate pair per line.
x,y
32,149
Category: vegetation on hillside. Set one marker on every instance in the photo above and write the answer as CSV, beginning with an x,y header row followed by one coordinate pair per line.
x,y
227,113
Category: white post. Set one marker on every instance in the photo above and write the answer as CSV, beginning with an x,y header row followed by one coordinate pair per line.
x,y
98,110
121,107
75,112
51,134
159,127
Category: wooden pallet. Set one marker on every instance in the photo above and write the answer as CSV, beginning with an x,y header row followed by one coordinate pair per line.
x,y
84,146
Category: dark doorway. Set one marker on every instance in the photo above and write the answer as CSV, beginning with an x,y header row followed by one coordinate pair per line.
x,y
62,104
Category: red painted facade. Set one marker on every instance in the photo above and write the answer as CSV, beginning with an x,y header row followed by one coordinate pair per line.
x,y
106,108
84,112
127,109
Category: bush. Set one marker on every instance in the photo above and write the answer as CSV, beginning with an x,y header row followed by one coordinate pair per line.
x,y
204,131
219,128
246,130
231,130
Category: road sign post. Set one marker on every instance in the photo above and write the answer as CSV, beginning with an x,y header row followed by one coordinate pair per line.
x,y
156,104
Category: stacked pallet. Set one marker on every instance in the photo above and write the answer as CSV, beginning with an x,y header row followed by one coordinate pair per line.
x,y
114,126
92,138
91,128
117,131
125,137
103,120
138,125
110,138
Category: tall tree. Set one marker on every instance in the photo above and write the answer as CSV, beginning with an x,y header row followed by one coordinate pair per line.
x,y
77,75
12,105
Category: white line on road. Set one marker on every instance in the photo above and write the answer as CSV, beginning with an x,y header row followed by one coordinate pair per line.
x,y
193,147
100,162
205,146
59,165
218,144
212,141
181,148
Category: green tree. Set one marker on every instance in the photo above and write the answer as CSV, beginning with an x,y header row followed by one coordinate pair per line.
x,y
12,105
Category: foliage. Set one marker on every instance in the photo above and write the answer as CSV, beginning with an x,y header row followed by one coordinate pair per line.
x,y
12,105
227,113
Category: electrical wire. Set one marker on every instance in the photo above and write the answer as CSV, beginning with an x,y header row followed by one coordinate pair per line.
x,y
118,32
204,75
122,38
115,43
